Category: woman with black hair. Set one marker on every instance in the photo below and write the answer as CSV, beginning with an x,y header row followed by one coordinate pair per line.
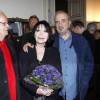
x,y
42,54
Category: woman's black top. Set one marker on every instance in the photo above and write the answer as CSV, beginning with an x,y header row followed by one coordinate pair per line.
x,y
28,62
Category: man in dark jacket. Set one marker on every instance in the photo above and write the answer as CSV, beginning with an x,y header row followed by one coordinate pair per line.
x,y
76,59
9,88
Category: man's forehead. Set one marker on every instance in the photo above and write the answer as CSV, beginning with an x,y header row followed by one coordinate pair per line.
x,y
2,14
61,16
3,18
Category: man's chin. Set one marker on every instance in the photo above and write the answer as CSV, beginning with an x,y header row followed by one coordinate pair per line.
x,y
61,32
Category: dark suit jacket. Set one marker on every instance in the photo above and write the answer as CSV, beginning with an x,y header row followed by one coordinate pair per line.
x,y
85,62
28,61
4,94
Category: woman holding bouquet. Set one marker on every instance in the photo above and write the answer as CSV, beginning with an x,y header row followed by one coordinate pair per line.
x,y
44,59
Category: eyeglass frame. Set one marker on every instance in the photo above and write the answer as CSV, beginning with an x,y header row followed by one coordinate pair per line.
x,y
4,23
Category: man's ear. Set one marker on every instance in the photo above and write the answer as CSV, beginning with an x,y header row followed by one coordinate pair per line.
x,y
69,23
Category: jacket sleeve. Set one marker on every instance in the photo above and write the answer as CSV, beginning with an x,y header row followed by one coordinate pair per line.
x,y
88,68
25,69
89,63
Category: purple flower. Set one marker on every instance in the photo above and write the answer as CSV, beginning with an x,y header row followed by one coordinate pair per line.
x,y
47,75
35,72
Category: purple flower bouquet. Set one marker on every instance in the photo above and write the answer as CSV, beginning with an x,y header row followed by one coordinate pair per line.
x,y
45,75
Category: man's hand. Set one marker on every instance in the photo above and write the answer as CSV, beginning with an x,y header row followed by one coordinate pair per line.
x,y
26,46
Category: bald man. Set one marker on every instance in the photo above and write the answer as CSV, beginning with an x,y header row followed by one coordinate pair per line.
x,y
76,59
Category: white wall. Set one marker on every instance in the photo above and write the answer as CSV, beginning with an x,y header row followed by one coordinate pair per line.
x,y
23,8
44,9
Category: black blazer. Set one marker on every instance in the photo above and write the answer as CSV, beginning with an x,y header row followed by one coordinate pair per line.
x,y
28,61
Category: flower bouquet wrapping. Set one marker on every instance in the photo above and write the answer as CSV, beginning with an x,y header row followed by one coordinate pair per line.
x,y
45,75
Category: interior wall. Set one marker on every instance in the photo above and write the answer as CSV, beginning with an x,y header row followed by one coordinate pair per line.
x,y
22,8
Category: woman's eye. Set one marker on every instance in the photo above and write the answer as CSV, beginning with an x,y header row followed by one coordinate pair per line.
x,y
37,30
45,31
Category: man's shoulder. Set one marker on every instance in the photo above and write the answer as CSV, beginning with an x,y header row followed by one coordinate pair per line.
x,y
78,37
80,41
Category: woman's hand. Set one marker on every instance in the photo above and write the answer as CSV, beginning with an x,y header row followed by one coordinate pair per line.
x,y
44,91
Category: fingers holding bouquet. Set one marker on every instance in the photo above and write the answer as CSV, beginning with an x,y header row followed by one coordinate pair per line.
x,y
44,90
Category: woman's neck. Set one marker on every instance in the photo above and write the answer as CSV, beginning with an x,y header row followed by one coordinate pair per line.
x,y
40,45
40,49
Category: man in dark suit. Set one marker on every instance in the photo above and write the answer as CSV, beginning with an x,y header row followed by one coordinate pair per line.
x,y
9,88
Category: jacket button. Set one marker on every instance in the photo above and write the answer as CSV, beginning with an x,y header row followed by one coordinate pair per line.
x,y
5,81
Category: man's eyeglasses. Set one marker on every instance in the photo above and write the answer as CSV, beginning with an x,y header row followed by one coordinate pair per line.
x,y
4,23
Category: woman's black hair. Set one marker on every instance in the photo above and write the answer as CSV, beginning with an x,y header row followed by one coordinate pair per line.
x,y
48,30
